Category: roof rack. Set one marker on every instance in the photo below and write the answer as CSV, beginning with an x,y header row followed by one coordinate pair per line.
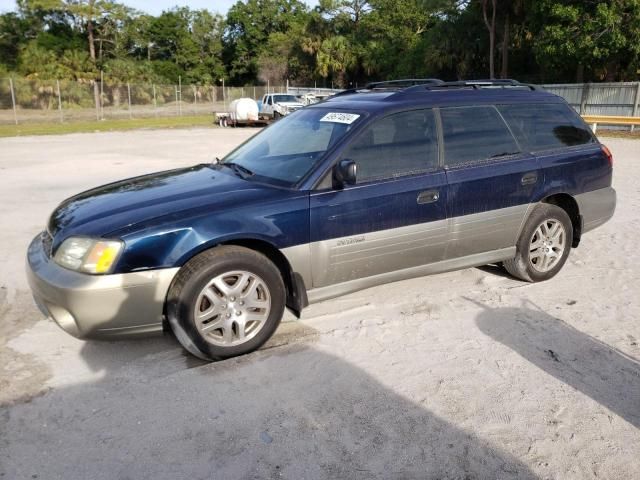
x,y
413,85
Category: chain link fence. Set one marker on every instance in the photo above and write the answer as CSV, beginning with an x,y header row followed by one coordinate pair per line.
x,y
44,101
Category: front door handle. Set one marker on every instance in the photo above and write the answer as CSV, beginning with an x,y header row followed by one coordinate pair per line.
x,y
529,178
429,196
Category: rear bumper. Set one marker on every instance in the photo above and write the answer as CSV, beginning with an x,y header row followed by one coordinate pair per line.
x,y
91,306
596,207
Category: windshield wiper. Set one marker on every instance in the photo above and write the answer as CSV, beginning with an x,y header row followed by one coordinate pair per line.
x,y
241,171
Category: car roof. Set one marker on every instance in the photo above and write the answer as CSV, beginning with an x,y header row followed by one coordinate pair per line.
x,y
376,100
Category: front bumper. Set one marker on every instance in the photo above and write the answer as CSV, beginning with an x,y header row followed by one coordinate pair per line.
x,y
91,306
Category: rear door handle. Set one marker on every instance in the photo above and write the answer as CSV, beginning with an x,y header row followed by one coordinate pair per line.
x,y
529,178
429,196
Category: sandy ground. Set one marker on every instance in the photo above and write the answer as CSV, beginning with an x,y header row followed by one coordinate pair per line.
x,y
464,375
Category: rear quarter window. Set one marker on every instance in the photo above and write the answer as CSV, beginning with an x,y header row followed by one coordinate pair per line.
x,y
546,126
473,134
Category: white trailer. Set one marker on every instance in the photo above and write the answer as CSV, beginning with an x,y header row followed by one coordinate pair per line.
x,y
243,111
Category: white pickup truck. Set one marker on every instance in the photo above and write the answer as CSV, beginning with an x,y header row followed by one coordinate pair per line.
x,y
276,105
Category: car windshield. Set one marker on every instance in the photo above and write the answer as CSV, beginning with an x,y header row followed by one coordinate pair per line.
x,y
286,151
285,98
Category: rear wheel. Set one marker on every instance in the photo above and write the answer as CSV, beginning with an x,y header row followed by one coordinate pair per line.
x,y
543,246
226,302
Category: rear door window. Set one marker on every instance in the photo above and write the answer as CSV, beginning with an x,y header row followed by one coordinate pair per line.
x,y
546,126
397,145
473,134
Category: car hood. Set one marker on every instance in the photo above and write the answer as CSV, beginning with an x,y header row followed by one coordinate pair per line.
x,y
175,193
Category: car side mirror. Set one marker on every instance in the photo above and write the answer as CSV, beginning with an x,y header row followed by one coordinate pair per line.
x,y
344,173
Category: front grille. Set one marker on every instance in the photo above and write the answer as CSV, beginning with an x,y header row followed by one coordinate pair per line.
x,y
47,241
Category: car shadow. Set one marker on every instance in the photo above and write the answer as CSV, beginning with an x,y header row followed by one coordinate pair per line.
x,y
162,353
288,410
607,375
102,355
497,270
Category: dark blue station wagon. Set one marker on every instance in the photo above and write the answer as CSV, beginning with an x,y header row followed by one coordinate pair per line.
x,y
369,187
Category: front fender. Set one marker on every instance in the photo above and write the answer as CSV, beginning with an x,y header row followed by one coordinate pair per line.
x,y
283,223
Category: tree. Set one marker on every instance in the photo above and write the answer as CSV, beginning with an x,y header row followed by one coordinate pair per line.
x,y
491,27
249,26
85,13
345,14
394,39
601,38
335,57
454,46
342,41
15,29
186,43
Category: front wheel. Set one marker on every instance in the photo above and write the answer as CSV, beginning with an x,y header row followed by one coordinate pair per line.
x,y
543,246
225,302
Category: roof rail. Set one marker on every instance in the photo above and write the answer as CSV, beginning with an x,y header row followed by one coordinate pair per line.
x,y
403,83
349,91
484,83
391,85
413,85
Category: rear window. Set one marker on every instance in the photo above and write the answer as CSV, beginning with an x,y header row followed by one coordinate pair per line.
x,y
546,126
473,134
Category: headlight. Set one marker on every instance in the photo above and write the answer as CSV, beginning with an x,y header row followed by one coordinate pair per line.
x,y
88,255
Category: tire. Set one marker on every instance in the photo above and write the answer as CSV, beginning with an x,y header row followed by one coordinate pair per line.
x,y
225,302
543,246
276,116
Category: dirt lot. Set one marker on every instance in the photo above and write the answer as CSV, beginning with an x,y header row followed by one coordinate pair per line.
x,y
469,374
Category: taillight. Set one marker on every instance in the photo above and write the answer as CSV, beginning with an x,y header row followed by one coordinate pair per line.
x,y
608,154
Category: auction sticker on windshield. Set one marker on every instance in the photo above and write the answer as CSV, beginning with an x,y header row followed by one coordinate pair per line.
x,y
337,117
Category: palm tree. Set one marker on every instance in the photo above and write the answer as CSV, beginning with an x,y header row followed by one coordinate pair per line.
x,y
335,57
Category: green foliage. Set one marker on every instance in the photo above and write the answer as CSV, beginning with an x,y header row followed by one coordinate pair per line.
x,y
601,37
335,56
340,42
249,26
36,62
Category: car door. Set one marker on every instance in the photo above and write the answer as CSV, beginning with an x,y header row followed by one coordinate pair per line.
x,y
491,181
394,217
267,105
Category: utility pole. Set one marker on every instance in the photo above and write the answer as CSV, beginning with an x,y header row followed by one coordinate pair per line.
x,y
13,101
224,96
59,101
180,92
101,95
129,94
